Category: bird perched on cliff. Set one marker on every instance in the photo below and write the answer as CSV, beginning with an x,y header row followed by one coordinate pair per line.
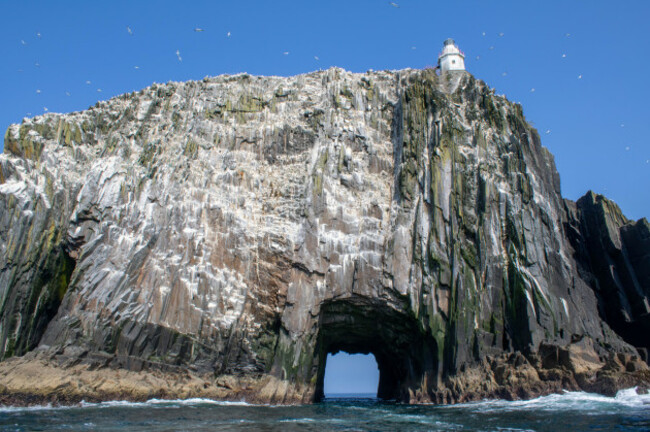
x,y
178,54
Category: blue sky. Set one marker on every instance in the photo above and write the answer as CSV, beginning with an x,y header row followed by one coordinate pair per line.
x,y
586,60
351,373
597,125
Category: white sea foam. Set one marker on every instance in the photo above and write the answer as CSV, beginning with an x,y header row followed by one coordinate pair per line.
x,y
298,420
566,401
424,419
168,403
9,409
509,429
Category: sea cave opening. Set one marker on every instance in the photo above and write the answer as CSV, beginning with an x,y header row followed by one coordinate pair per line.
x,y
351,376
405,356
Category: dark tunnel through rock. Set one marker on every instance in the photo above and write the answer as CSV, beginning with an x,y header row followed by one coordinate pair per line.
x,y
359,325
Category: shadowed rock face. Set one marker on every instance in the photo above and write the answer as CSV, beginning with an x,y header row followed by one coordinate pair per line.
x,y
616,251
241,228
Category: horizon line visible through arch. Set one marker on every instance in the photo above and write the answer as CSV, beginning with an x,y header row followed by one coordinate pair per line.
x,y
351,374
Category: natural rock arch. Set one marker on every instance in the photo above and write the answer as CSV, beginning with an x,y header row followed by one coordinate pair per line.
x,y
405,355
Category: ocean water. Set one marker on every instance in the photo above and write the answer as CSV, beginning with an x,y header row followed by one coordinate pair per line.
x,y
571,411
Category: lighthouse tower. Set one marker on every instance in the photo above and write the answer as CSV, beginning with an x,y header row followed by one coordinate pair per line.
x,y
451,58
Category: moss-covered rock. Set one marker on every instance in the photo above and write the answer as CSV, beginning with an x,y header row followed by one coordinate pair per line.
x,y
28,145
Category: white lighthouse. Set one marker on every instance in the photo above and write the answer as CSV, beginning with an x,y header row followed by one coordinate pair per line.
x,y
451,58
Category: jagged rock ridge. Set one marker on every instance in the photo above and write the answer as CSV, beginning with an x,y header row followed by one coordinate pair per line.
x,y
240,228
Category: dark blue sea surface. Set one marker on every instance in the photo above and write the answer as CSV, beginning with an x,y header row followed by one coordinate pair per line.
x,y
572,411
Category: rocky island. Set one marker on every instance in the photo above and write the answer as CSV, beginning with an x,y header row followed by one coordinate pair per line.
x,y
219,238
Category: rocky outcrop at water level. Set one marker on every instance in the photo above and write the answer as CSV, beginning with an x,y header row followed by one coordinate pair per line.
x,y
219,238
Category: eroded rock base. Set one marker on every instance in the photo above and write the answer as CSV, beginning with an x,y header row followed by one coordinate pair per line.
x,y
514,377
36,380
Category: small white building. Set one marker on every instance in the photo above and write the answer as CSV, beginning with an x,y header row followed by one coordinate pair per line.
x,y
451,58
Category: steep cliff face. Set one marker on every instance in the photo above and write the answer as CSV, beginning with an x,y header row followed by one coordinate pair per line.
x,y
614,253
241,228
